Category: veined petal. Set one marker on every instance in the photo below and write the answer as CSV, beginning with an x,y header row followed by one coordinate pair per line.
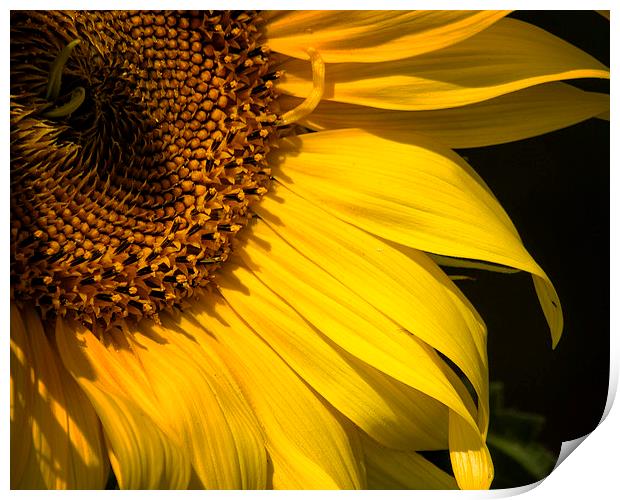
x,y
344,318
371,36
518,115
199,399
508,56
21,398
143,454
471,461
389,469
349,322
410,290
419,195
307,445
56,436
391,412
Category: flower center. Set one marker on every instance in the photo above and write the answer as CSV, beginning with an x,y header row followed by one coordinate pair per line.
x,y
135,157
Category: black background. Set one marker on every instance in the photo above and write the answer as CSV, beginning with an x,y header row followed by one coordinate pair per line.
x,y
556,190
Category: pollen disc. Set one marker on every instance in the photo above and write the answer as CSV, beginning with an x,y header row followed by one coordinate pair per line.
x,y
138,141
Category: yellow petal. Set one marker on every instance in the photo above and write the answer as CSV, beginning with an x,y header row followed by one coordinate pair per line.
x,y
519,115
508,56
388,410
57,441
410,290
308,447
21,398
371,36
389,469
143,454
604,116
345,319
420,195
199,400
471,461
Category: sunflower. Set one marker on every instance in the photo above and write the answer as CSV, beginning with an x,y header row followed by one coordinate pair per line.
x,y
226,238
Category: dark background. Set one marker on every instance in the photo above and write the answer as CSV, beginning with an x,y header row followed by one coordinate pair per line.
x,y
556,190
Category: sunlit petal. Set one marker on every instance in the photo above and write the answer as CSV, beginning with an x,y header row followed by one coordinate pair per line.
x,y
390,411
371,36
510,55
56,438
511,117
427,199
409,289
307,445
142,453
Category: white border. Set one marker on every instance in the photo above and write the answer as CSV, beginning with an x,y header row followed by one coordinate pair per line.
x,y
579,475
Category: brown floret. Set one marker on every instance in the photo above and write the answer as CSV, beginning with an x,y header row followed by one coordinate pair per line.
x,y
127,204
